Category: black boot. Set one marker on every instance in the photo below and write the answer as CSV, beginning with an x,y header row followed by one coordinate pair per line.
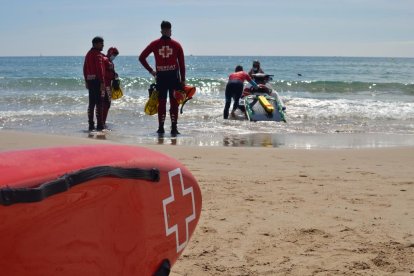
x,y
99,127
91,126
174,130
161,129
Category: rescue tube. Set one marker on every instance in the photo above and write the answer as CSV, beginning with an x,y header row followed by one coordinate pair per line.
x,y
265,103
184,95
116,92
94,210
151,106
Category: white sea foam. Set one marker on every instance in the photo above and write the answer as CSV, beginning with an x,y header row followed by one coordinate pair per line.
x,y
332,96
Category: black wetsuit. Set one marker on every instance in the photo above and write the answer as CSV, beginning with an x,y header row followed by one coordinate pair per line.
x,y
94,87
167,82
234,90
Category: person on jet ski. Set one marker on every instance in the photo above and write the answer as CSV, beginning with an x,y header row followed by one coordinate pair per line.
x,y
255,68
234,89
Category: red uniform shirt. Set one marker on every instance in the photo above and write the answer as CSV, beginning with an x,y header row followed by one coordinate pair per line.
x,y
109,71
168,53
94,67
241,76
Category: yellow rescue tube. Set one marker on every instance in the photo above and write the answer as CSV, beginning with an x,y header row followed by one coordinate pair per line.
x,y
266,105
151,107
116,93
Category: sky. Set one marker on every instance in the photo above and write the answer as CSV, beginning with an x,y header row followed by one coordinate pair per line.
x,y
380,28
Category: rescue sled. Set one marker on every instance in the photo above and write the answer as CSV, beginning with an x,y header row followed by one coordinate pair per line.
x,y
94,210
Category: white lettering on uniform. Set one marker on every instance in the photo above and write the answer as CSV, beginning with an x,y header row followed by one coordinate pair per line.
x,y
166,68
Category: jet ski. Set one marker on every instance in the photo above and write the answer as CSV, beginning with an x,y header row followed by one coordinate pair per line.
x,y
262,103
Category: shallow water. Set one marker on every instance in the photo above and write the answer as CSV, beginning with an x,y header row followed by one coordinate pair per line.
x,y
334,102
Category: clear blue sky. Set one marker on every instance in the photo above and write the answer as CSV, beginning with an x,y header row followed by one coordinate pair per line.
x,y
211,27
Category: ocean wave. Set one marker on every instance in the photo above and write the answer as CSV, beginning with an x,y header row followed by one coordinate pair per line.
x,y
41,84
202,108
207,86
342,87
348,110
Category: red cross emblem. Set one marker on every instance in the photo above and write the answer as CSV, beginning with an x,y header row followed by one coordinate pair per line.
x,y
179,209
165,51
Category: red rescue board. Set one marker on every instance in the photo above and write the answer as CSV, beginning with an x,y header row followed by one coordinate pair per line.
x,y
94,210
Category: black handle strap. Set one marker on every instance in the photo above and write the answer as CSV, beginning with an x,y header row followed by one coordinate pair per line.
x,y
182,106
9,196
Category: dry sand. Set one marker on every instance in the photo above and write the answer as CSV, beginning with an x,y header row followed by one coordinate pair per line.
x,y
270,211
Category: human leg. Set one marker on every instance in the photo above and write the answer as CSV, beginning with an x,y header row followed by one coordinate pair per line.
x,y
228,96
100,112
162,102
93,89
173,113
238,90
105,106
167,82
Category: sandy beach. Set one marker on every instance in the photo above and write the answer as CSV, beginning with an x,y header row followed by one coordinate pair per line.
x,y
272,211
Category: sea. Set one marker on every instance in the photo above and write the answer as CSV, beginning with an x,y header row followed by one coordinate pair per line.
x,y
331,102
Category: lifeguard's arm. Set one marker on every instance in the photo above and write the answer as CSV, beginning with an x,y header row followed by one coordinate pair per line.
x,y
84,74
181,63
101,71
143,59
252,82
84,69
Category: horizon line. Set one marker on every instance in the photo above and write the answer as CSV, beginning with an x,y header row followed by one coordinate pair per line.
x,y
192,55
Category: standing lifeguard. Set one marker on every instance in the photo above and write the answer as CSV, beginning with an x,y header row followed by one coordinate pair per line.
x,y
94,74
169,73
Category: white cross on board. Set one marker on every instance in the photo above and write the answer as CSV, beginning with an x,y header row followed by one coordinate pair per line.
x,y
179,209
165,51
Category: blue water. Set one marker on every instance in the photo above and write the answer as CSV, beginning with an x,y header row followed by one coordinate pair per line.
x,y
331,101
